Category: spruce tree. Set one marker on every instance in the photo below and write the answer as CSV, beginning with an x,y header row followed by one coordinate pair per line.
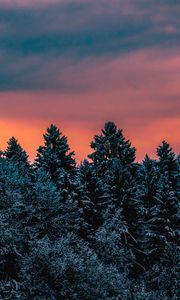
x,y
96,196
16,154
16,157
113,158
168,164
169,190
148,178
56,209
55,155
163,236
56,160
112,144
112,242
161,220
15,223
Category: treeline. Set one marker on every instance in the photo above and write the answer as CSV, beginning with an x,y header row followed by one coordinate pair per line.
x,y
107,229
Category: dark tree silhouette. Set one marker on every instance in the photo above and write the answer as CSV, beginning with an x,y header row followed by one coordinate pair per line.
x,y
55,155
107,229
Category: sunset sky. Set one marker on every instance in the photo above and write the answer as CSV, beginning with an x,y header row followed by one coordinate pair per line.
x,y
79,63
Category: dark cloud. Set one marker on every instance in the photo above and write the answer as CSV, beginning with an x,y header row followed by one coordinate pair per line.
x,y
39,41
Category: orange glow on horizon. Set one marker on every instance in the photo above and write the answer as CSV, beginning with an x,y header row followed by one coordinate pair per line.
x,y
138,91
146,141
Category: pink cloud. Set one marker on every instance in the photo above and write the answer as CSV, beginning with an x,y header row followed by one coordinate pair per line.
x,y
29,3
170,29
139,91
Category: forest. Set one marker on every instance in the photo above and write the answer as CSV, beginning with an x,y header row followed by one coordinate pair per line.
x,y
105,229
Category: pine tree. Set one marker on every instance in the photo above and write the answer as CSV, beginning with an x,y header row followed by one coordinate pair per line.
x,y
163,235
15,223
112,242
113,158
168,164
168,191
56,209
161,221
16,157
55,155
96,196
112,144
16,154
148,178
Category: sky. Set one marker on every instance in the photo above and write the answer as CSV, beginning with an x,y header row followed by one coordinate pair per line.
x,y
80,63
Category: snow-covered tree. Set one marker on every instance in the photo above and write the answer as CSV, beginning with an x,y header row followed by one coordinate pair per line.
x,y
69,269
56,209
55,155
107,229
17,155
161,222
147,183
113,159
112,242
168,164
15,225
96,196
112,144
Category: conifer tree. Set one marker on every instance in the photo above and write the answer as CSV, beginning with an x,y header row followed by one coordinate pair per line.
x,y
15,222
55,159
113,158
16,157
163,236
16,154
56,209
112,241
168,163
96,196
68,268
55,155
112,144
169,190
148,178
160,220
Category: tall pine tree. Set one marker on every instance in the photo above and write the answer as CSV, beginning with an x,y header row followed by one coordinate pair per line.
x,y
112,144
55,155
16,154
113,159
168,164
